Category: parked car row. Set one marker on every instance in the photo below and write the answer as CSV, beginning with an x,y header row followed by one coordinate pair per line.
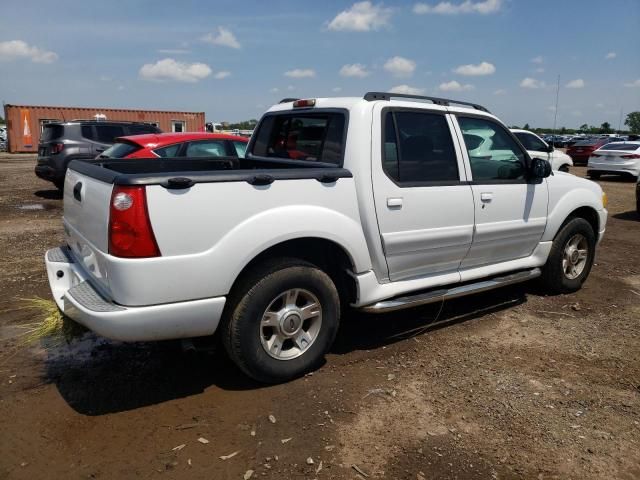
x,y
60,143
538,148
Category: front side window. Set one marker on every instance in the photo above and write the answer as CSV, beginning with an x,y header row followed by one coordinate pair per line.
x,y
206,149
316,137
531,142
418,148
493,154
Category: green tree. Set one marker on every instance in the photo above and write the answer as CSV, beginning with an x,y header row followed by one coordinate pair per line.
x,y
633,122
605,128
584,127
526,127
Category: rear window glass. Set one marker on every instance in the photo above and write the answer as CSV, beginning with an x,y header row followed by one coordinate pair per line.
x,y
316,137
586,143
206,149
51,132
621,146
120,150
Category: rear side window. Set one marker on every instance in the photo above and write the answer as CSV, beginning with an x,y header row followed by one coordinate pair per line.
x,y
51,132
120,150
170,151
87,132
418,148
530,142
316,137
142,129
108,133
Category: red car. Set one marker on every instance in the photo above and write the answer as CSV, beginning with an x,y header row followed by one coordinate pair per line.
x,y
177,145
582,150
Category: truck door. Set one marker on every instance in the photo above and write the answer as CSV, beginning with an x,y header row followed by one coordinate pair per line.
x,y
511,212
423,202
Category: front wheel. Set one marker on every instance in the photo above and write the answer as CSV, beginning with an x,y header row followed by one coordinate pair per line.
x,y
571,257
564,168
282,319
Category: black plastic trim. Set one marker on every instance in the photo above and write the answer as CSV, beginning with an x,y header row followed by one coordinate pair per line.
x,y
371,96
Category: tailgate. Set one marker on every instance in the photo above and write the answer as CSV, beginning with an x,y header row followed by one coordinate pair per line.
x,y
86,222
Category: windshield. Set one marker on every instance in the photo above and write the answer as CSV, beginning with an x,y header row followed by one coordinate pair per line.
x,y
120,150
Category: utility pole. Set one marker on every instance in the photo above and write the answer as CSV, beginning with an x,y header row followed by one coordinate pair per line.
x,y
555,115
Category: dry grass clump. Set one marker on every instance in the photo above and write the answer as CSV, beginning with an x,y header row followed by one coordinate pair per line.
x,y
52,325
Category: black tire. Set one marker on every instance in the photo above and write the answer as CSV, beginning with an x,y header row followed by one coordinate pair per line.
x,y
594,175
59,184
241,331
564,168
553,278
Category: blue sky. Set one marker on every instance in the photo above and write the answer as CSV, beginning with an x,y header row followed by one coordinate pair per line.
x,y
234,59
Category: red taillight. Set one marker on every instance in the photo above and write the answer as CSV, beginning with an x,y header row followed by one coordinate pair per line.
x,y
57,148
130,232
633,155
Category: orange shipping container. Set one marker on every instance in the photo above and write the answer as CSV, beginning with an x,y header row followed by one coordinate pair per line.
x,y
25,122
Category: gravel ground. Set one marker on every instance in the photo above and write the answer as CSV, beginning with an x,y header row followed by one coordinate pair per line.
x,y
508,384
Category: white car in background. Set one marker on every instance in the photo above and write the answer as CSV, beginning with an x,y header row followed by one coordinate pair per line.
x,y
538,148
617,158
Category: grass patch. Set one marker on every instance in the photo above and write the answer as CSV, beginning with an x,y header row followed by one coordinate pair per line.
x,y
52,325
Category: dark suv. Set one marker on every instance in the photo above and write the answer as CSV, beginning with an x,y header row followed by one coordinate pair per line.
x,y
79,139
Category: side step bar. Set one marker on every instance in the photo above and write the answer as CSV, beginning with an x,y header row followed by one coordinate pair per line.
x,y
432,296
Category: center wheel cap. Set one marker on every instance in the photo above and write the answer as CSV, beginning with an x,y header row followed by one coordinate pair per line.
x,y
290,324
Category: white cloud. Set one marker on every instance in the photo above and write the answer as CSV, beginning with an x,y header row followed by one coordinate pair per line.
x,y
169,69
354,70
400,66
454,86
174,51
291,88
336,89
500,91
361,17
274,90
300,73
539,70
551,108
468,6
221,75
610,56
483,68
407,90
531,83
634,84
224,38
539,59
15,49
120,88
577,83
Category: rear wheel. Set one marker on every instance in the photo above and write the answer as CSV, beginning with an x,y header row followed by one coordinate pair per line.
x,y
594,175
564,168
571,257
281,320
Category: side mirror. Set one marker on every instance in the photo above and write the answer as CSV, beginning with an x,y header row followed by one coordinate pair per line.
x,y
550,148
539,168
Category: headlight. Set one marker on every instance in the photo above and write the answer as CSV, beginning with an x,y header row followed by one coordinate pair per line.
x,y
604,200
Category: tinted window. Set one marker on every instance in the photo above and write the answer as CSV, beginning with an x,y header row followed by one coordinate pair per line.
x,y
530,142
418,148
493,154
141,129
108,133
170,151
206,149
87,132
305,136
51,132
621,146
120,150
241,148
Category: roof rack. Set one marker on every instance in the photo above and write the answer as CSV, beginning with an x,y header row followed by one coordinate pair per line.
x,y
287,100
370,96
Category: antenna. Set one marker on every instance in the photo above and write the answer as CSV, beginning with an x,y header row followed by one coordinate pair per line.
x,y
620,122
555,115
62,113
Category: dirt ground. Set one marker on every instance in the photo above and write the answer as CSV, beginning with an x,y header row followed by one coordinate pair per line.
x,y
508,384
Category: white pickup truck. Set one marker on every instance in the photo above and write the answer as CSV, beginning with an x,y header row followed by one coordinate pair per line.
x,y
375,203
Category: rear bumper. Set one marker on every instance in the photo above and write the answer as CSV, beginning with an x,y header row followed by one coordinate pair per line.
x,y
628,168
81,301
47,172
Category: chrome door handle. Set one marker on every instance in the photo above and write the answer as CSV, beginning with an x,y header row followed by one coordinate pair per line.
x,y
486,196
394,202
